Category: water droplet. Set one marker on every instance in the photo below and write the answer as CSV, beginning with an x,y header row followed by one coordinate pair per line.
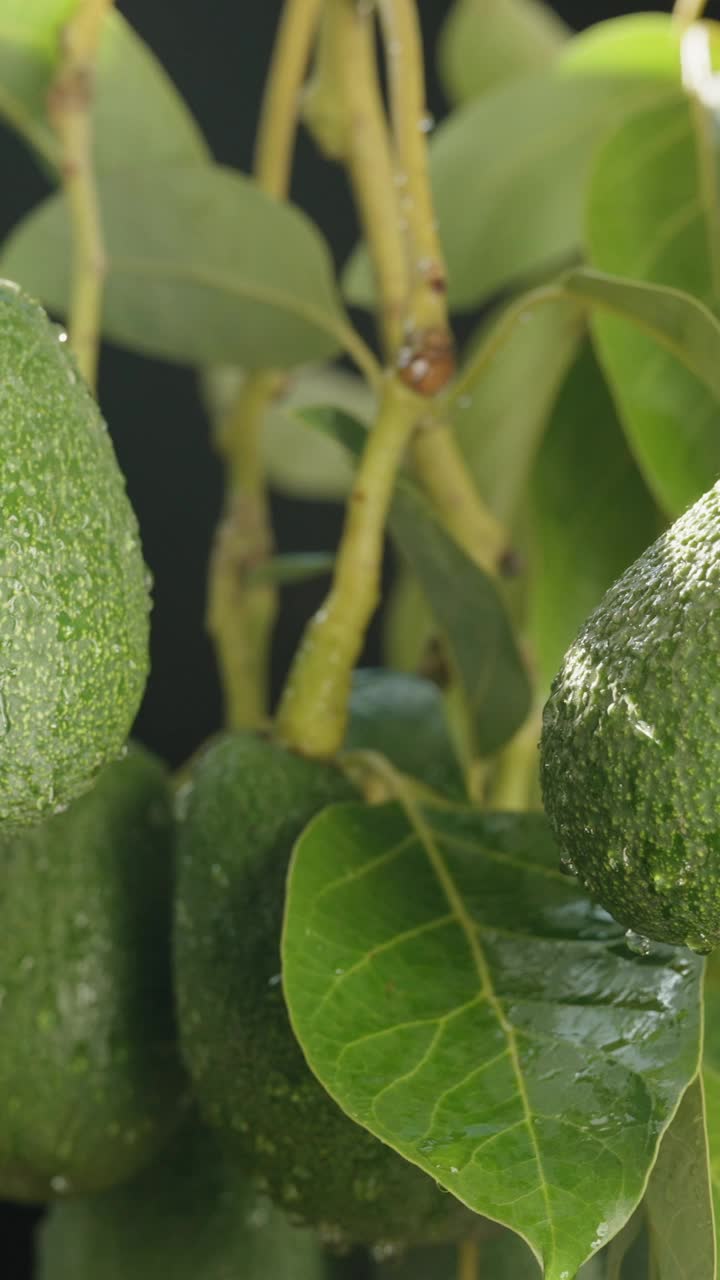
x,y
339,972
275,980
62,336
636,943
700,944
601,1229
567,866
59,1184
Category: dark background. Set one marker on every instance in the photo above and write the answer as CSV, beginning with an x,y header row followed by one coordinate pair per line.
x,y
216,51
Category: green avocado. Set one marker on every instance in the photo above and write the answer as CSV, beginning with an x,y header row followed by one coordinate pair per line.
x,y
243,809
90,1079
191,1215
73,587
631,740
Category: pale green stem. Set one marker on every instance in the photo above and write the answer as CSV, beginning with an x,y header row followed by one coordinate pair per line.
x,y
281,102
313,712
688,11
70,109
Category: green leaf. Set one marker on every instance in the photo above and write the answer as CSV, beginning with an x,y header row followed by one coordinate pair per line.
x,y
711,1071
679,1197
636,43
509,197
591,514
137,111
193,1216
499,425
465,603
402,717
486,42
469,610
684,326
298,460
536,1065
202,267
654,215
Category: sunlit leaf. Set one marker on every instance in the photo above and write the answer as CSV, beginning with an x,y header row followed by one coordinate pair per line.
x,y
536,1065
654,215
137,111
192,1215
485,42
591,514
509,173
711,1071
202,267
679,1197
636,43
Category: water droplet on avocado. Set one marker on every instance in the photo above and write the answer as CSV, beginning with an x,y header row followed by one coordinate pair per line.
x,y
698,943
635,942
567,866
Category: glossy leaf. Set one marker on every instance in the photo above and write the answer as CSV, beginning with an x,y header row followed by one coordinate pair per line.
x,y
137,111
635,44
202,267
510,197
679,1197
486,42
536,1065
591,514
299,461
506,390
653,215
465,603
711,1071
192,1215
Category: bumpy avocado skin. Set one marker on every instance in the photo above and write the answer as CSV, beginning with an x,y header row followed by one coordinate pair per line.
x,y
90,1078
191,1215
631,740
73,591
241,814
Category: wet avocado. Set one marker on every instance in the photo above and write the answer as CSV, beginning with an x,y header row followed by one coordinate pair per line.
x,y
244,807
73,587
631,740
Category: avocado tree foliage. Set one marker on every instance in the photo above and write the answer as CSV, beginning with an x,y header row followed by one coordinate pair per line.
x,y
490,1074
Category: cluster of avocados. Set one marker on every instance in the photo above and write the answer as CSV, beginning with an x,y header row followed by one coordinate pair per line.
x,y
153,1071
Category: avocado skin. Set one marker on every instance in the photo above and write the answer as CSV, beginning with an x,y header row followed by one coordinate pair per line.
x,y
90,1080
191,1215
631,740
73,590
248,802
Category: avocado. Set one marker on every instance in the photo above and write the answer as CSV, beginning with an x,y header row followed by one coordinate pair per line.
x,y
73,587
191,1215
631,740
243,809
90,1080
403,717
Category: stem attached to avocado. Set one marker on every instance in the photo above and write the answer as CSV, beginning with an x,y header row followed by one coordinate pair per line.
x,y
70,109
313,711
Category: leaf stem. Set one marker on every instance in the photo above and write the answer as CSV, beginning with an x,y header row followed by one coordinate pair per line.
x,y
241,611
468,1260
450,487
281,101
313,711
242,607
688,11
70,102
411,123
